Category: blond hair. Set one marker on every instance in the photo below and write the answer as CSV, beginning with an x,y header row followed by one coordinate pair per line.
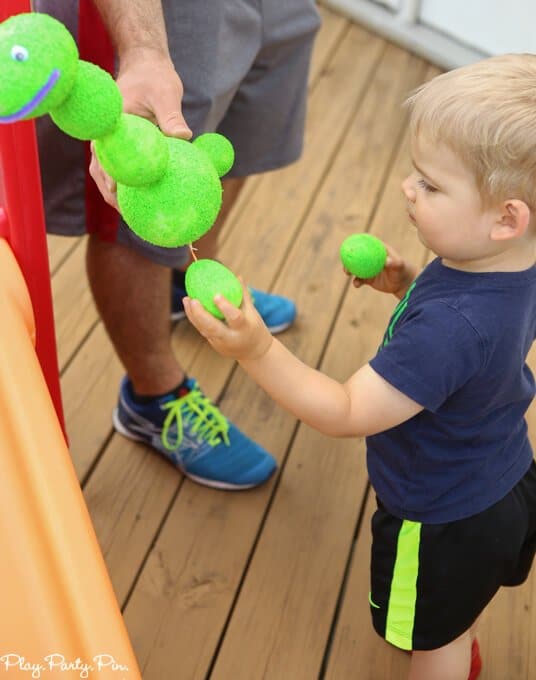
x,y
486,113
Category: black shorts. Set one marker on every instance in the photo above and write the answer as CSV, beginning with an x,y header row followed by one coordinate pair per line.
x,y
430,582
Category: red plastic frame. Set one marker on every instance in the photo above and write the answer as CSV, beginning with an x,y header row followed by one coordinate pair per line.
x,y
22,224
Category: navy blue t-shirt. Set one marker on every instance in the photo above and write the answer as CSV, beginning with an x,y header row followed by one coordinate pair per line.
x,y
457,345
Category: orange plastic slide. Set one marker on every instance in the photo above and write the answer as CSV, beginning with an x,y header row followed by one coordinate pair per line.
x,y
58,614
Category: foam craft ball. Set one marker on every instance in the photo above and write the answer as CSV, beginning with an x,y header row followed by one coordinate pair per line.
x,y
181,206
39,64
150,155
219,149
207,278
363,255
93,90
169,190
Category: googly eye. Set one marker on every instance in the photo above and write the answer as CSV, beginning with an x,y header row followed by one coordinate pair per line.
x,y
19,53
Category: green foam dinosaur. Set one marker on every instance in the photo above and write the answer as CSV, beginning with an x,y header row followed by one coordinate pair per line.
x,y
168,190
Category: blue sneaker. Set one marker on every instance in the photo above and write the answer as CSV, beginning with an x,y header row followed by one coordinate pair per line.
x,y
188,430
277,312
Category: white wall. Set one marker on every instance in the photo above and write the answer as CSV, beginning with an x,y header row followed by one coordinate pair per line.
x,y
492,26
449,33
399,20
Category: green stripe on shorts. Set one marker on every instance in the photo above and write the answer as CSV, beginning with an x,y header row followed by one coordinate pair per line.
x,y
403,595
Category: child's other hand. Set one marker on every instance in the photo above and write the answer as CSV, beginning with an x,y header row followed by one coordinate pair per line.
x,y
394,278
244,335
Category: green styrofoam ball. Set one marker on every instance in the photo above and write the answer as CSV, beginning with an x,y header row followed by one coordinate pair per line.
x,y
38,63
207,278
363,255
181,206
93,107
135,153
219,149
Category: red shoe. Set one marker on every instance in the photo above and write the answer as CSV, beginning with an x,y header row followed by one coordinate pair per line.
x,y
476,661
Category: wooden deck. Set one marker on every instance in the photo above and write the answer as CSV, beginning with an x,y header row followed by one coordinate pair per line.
x,y
270,583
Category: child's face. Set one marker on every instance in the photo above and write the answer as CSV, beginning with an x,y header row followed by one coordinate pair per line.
x,y
444,204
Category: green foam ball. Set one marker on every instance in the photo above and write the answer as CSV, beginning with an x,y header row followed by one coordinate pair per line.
x,y
207,278
38,63
219,149
181,206
363,255
135,153
93,107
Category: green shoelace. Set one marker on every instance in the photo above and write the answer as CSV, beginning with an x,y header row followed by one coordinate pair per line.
x,y
207,422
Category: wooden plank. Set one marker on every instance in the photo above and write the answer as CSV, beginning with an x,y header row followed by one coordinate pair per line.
x,y
182,598
89,387
356,645
332,31
200,629
135,488
505,633
74,310
274,224
323,479
59,248
333,28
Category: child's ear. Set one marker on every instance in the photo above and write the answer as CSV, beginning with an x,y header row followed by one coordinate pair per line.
x,y
514,218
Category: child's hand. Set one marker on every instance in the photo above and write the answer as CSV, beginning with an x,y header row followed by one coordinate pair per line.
x,y
243,337
394,278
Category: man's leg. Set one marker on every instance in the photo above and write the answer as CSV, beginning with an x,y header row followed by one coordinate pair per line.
x,y
156,404
132,297
207,246
451,662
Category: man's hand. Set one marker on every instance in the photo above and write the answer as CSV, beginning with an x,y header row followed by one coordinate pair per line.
x,y
151,88
395,277
244,336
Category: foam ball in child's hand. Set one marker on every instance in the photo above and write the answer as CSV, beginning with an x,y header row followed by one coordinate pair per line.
x,y
363,255
207,278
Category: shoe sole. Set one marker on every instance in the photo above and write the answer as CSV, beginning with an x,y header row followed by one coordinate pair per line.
x,y
274,330
178,316
226,486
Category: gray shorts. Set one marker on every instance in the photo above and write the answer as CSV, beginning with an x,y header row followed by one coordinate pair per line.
x,y
244,65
